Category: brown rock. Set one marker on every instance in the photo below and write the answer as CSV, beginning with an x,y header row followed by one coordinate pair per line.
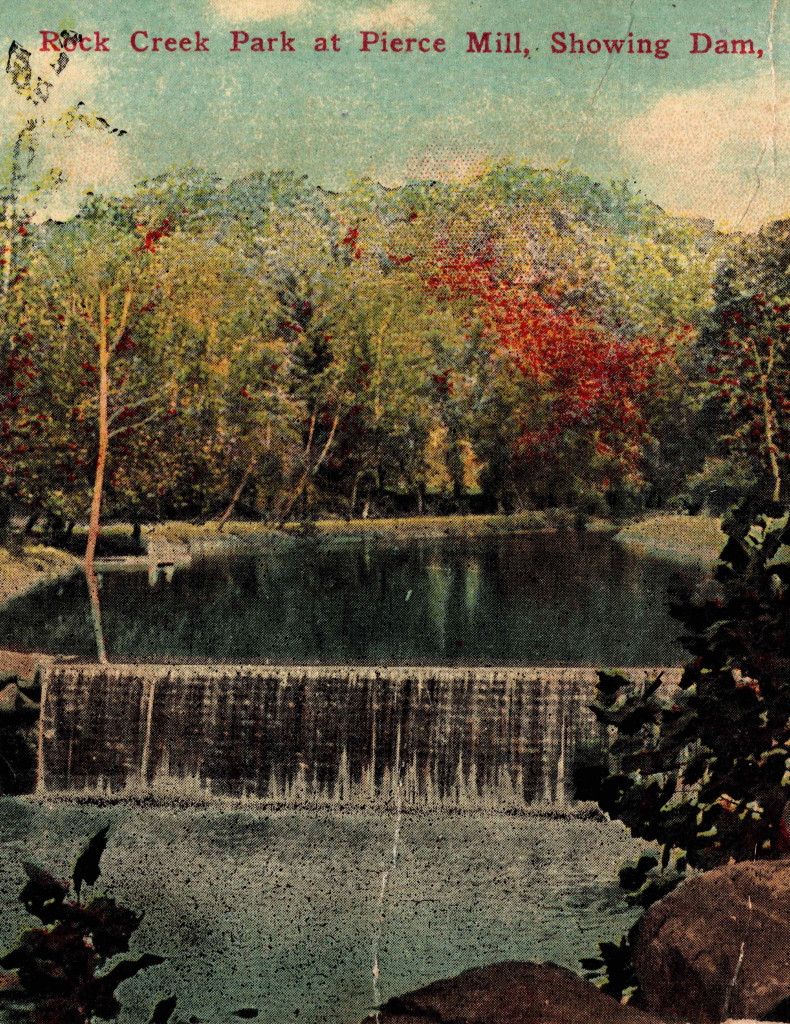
x,y
511,993
719,945
20,663
8,697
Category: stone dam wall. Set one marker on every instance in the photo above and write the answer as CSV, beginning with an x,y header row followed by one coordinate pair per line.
x,y
503,738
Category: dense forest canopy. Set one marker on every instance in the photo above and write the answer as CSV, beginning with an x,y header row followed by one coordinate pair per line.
x,y
520,338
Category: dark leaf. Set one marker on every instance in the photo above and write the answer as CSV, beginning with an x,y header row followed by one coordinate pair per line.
x,y
163,1010
128,968
43,895
610,683
86,868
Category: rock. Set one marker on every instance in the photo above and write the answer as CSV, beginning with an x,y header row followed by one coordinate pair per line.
x,y
20,663
8,698
511,993
719,946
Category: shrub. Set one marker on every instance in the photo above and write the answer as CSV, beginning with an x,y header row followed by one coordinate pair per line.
x,y
58,974
19,713
704,770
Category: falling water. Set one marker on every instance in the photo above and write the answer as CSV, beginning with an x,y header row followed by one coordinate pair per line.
x,y
431,737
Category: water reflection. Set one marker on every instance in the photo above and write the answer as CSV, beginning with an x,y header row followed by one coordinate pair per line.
x,y
533,599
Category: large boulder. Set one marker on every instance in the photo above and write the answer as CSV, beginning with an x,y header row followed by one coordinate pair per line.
x,y
511,993
719,946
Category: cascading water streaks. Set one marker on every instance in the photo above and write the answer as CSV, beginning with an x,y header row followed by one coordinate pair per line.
x,y
385,877
426,737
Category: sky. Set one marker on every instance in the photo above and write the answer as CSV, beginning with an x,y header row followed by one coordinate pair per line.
x,y
702,134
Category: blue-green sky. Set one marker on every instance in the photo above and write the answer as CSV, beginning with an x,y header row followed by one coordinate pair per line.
x,y
701,134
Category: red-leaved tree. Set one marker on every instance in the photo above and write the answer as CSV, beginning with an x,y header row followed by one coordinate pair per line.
x,y
590,389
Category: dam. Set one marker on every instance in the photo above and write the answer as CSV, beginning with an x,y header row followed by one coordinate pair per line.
x,y
423,737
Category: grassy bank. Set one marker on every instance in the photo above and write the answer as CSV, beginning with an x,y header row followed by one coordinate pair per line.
x,y
692,540
21,571
407,527
686,539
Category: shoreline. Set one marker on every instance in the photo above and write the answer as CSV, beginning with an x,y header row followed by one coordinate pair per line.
x,y
687,540
36,565
405,527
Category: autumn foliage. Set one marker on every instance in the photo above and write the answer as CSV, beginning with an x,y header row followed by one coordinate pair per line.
x,y
592,386
748,378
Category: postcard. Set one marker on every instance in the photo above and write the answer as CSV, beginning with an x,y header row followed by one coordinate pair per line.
x,y
373,375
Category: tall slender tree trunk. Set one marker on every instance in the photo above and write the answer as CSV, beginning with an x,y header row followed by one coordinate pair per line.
x,y
7,244
32,519
769,419
309,471
770,443
237,493
98,485
354,492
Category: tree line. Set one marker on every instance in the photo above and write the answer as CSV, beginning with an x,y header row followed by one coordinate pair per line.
x,y
523,338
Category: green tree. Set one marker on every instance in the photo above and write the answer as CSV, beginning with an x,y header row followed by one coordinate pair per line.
x,y
99,283
704,769
743,358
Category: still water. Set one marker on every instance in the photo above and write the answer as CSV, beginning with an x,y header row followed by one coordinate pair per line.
x,y
280,911
539,598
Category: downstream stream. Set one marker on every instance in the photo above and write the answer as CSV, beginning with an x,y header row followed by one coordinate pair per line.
x,y
279,911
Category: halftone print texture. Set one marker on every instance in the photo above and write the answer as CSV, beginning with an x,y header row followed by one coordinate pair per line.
x,y
394,449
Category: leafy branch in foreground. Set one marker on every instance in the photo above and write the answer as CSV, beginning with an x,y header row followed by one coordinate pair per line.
x,y
704,769
58,974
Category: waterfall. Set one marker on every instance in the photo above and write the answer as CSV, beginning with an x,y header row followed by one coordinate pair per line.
x,y
434,737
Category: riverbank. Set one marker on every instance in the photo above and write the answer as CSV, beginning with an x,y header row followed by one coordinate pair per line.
x,y
690,540
32,566
411,527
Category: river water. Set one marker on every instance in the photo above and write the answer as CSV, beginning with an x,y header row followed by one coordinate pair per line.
x,y
280,911
538,598
278,905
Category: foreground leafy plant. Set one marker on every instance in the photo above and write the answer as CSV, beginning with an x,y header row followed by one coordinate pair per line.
x,y
57,973
704,770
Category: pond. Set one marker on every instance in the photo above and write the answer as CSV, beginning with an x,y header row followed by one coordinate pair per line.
x,y
276,903
281,911
567,597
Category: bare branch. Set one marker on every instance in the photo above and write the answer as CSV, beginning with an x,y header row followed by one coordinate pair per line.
x,y
127,301
136,424
130,406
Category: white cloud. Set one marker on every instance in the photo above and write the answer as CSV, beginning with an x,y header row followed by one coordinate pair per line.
x,y
720,152
86,156
88,160
400,14
437,162
238,11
